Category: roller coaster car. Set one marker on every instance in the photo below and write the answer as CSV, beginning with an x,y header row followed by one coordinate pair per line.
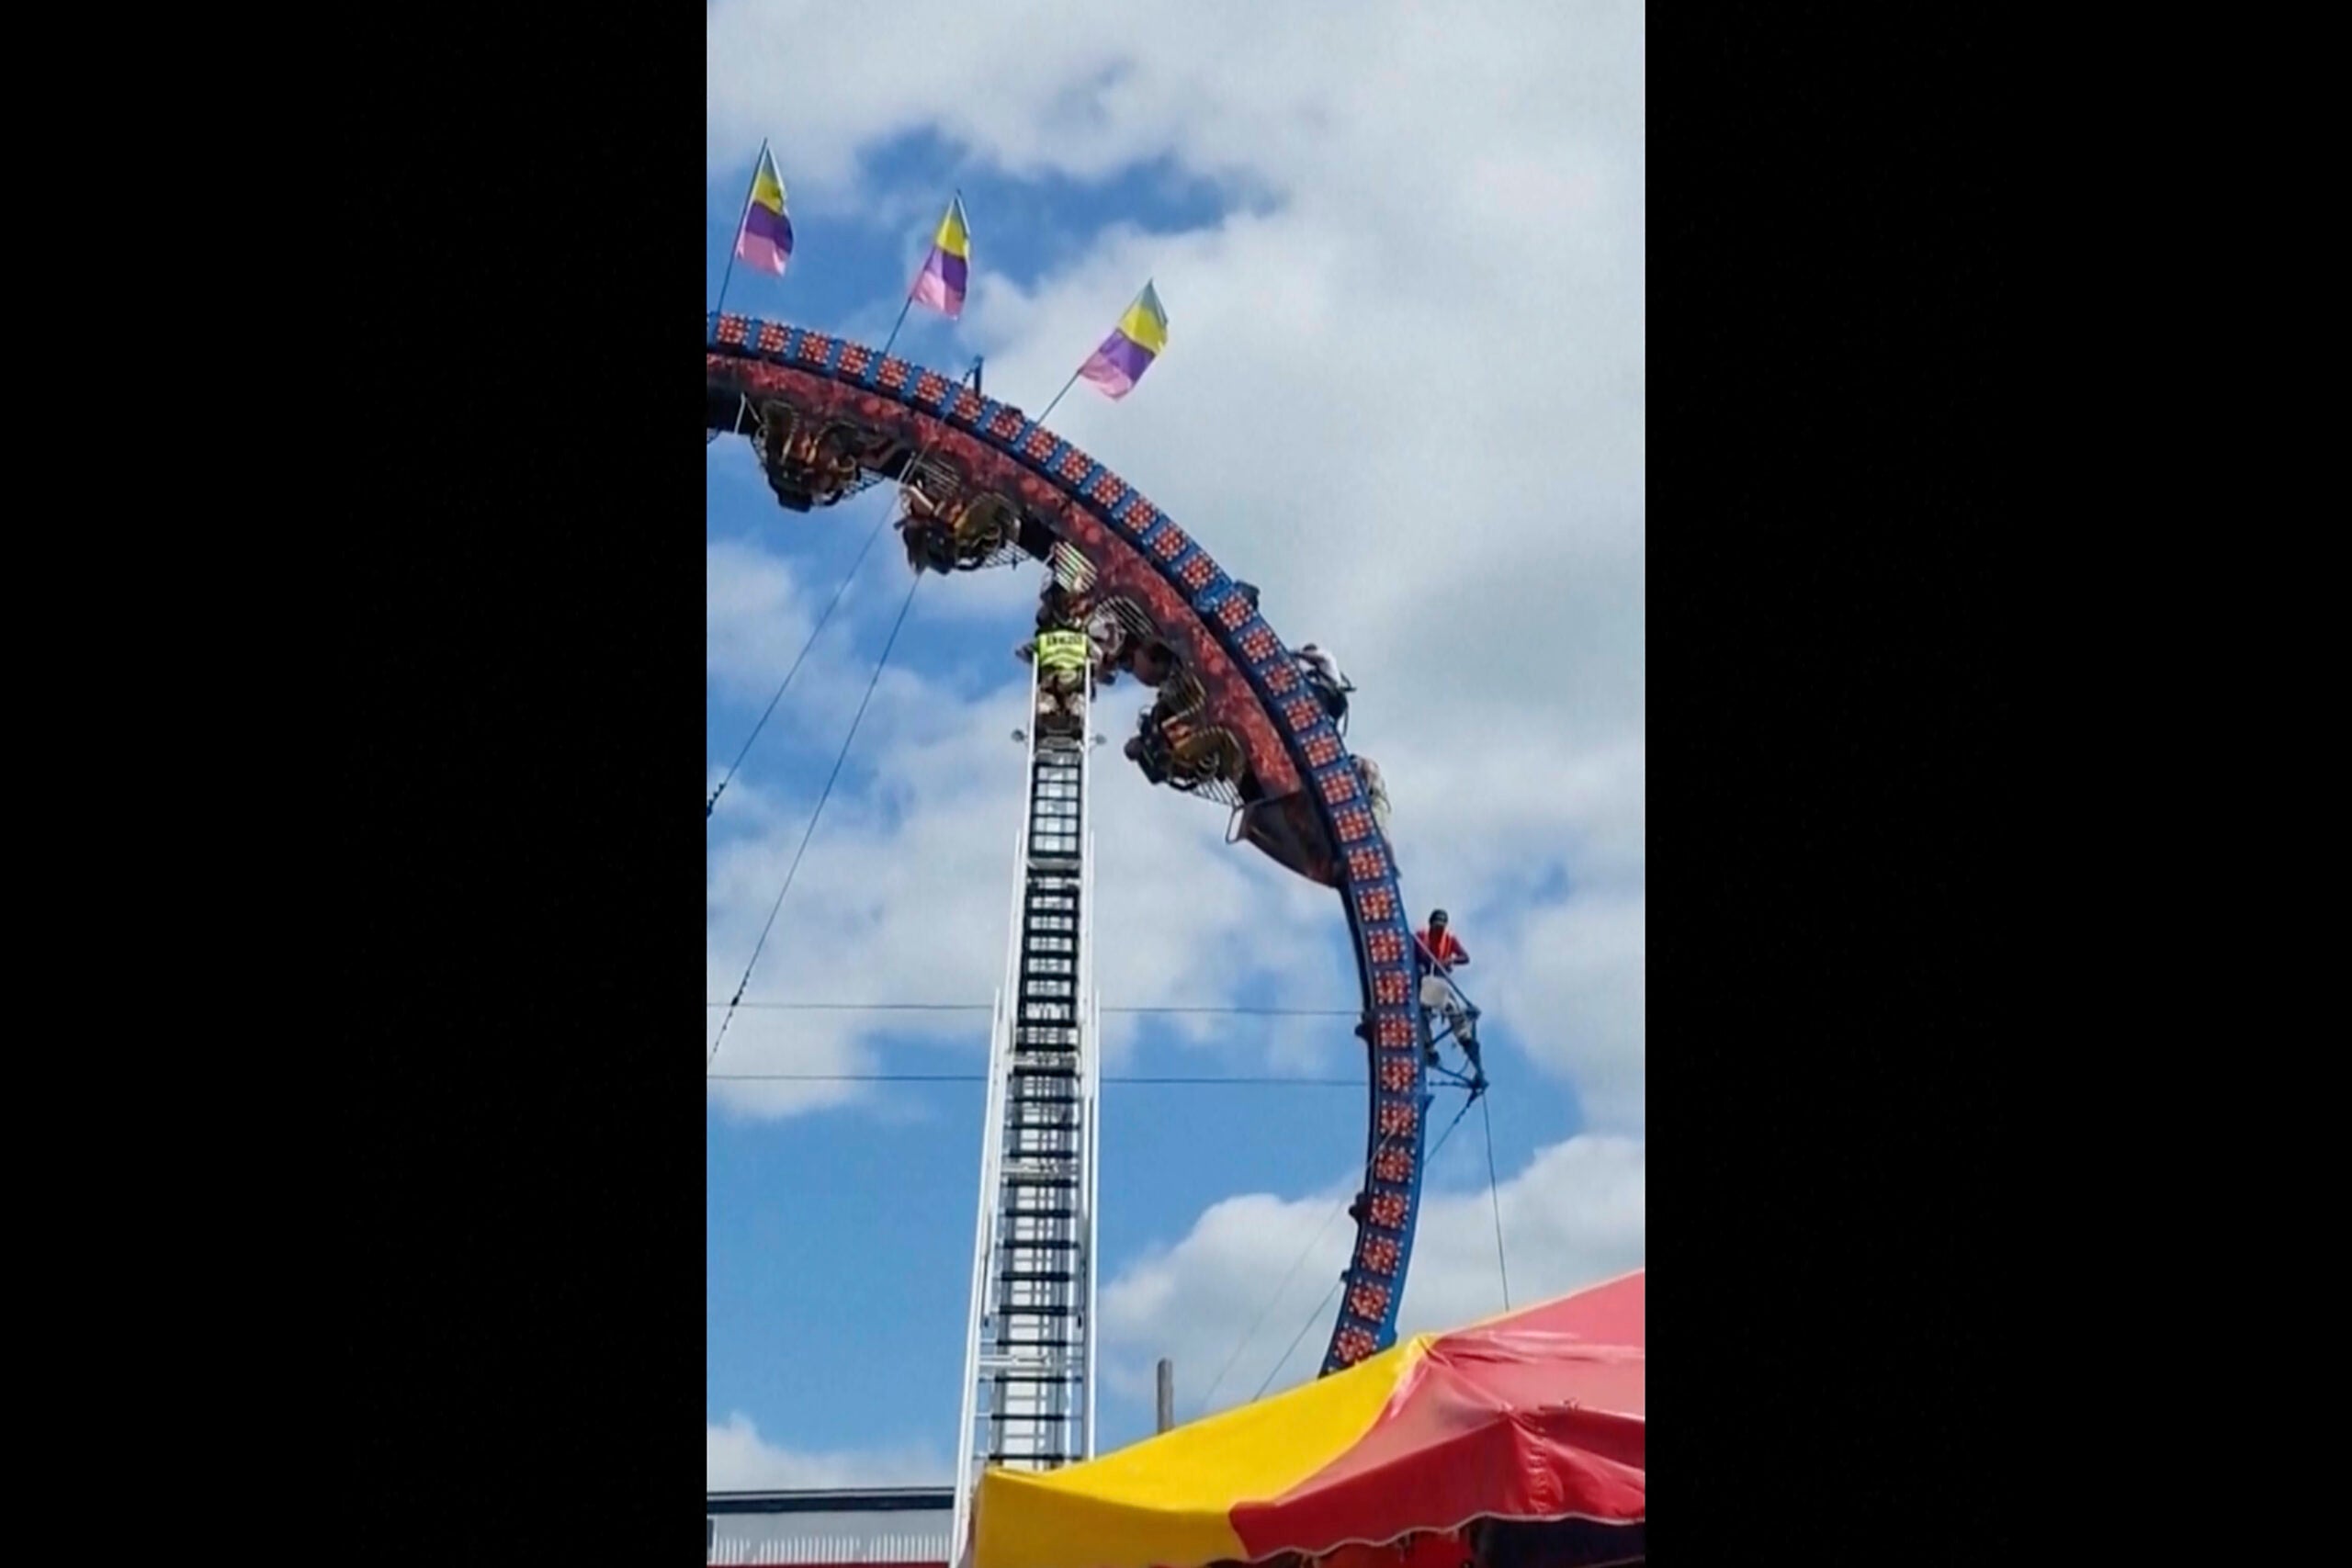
x,y
960,534
1201,758
1197,759
807,468
1290,831
984,526
1207,760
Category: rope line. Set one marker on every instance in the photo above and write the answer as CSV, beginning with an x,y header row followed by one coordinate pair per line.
x,y
982,1078
1494,1192
1427,1160
1252,1332
794,870
985,1006
712,804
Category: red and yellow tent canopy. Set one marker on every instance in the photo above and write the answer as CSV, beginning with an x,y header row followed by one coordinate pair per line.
x,y
1534,1414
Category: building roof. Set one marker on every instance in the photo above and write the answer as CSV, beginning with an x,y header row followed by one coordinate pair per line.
x,y
848,1528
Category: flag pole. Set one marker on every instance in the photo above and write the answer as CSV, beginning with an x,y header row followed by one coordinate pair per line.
x,y
903,322
1066,387
918,283
741,218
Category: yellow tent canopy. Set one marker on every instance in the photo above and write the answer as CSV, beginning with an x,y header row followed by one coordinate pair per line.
x,y
1535,1414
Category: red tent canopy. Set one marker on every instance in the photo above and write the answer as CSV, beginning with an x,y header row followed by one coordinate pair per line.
x,y
1537,1416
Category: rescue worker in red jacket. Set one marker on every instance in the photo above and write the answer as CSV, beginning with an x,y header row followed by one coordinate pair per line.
x,y
1439,953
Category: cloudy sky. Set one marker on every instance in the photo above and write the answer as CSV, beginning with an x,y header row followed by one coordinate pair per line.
x,y
1401,251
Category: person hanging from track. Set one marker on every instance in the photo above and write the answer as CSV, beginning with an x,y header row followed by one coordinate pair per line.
x,y
1330,687
1058,606
1439,953
1171,751
928,548
1106,639
1147,748
1375,790
1148,660
923,528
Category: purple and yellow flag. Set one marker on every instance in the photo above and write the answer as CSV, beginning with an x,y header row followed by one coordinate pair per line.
x,y
941,283
1132,345
766,238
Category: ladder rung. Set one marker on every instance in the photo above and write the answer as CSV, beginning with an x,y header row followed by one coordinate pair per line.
x,y
1043,1136
998,1363
1028,1366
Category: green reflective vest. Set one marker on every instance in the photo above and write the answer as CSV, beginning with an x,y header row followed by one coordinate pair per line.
x,y
1061,652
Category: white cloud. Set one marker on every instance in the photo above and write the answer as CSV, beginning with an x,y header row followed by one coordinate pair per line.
x,y
1576,1215
757,616
1403,394
903,893
737,1460
1576,989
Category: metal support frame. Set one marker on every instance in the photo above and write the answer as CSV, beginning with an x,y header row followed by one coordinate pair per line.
x,y
1030,1349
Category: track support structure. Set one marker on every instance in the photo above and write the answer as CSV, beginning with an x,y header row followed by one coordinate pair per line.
x,y
1030,1344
